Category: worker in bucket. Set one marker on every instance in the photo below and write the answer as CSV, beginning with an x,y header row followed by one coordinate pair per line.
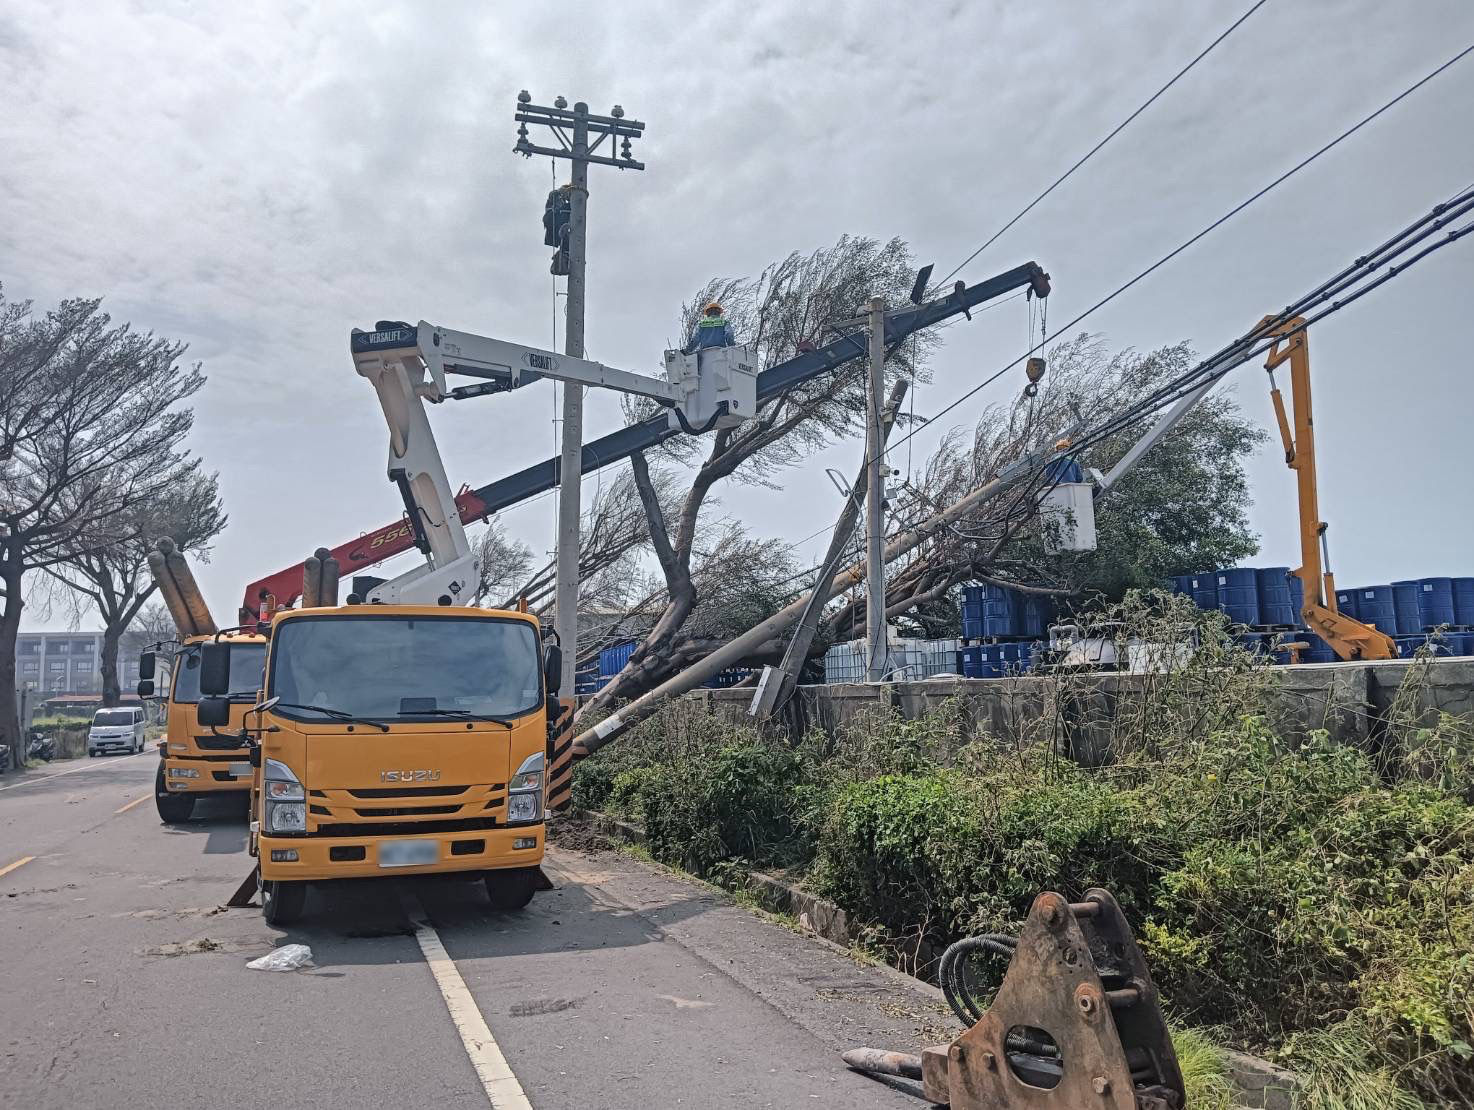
x,y
1065,469
712,330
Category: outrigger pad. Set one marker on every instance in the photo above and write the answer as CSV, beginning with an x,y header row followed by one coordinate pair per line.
x,y
242,898
1075,1024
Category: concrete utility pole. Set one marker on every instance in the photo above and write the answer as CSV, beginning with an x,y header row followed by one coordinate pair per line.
x,y
573,129
877,653
778,683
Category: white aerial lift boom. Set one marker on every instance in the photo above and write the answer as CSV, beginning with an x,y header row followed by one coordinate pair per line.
x,y
408,365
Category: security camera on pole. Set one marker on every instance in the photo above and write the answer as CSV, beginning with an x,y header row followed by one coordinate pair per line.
x,y
567,227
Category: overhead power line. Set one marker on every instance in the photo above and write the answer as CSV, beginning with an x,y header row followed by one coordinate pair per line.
x,y
1060,180
1159,263
1371,271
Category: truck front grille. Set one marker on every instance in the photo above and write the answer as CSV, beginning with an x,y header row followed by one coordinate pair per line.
x,y
449,808
404,828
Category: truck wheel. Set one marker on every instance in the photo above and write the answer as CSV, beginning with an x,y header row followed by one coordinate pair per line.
x,y
281,901
174,809
510,890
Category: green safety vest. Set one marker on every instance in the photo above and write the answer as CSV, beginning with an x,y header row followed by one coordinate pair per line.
x,y
713,322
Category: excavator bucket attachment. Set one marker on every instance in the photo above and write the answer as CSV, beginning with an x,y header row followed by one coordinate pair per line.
x,y
1075,1024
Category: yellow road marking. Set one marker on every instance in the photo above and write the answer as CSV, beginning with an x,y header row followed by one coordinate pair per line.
x,y
503,1091
130,805
9,867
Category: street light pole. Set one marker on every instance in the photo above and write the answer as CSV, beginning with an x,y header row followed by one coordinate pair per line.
x,y
573,129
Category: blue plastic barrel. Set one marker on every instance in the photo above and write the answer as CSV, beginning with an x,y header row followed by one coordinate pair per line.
x,y
1347,603
1461,643
1463,600
1275,606
973,595
1319,652
1238,594
1375,606
992,665
1252,642
972,661
973,609
613,658
1407,646
1000,612
1181,584
1435,602
1297,598
972,628
1405,607
1204,586
1035,611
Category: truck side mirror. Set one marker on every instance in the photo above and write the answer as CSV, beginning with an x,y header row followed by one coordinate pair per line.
x,y
213,712
145,687
145,665
214,669
553,669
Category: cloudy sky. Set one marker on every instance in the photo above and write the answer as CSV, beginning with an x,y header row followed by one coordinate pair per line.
x,y
259,178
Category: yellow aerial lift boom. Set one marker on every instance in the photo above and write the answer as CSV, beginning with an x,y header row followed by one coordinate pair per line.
x,y
1348,638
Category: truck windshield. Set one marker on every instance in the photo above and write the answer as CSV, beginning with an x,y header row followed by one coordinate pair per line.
x,y
396,667
247,665
113,717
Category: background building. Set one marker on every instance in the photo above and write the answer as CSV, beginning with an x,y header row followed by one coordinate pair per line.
x,y
52,663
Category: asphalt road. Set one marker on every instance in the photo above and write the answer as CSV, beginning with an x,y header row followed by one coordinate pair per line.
x,y
125,983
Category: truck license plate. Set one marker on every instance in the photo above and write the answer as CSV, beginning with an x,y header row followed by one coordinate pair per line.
x,y
408,853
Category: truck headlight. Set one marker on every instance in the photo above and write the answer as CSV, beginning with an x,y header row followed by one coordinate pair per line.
x,y
284,800
525,792
286,817
523,808
183,773
529,776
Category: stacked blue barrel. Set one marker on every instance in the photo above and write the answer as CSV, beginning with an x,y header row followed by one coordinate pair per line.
x,y
1268,600
1001,630
612,660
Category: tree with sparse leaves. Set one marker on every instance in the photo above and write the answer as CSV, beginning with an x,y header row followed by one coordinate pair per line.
x,y
114,579
806,299
92,427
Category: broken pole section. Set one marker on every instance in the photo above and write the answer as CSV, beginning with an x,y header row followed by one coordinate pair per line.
x,y
733,652
778,683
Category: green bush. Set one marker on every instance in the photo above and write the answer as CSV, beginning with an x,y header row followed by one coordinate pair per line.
x,y
1302,895
738,802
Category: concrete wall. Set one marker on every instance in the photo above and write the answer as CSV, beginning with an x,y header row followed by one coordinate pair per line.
x,y
1352,701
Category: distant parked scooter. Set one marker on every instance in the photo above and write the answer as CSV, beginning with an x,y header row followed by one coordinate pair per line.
x,y
41,747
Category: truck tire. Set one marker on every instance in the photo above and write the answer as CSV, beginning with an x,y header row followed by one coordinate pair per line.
x,y
174,809
281,901
510,890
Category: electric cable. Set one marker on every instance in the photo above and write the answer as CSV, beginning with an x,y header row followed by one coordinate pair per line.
x,y
1159,263
1093,150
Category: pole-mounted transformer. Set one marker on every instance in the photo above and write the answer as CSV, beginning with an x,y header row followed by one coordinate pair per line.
x,y
556,214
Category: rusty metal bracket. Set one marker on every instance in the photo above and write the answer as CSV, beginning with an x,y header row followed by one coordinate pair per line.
x,y
1075,1024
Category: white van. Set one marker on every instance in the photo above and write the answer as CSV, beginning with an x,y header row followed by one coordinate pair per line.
x,y
119,729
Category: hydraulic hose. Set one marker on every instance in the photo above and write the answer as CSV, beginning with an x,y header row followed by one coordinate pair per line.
x,y
955,974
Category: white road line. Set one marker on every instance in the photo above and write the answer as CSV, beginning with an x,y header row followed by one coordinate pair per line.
x,y
90,765
503,1091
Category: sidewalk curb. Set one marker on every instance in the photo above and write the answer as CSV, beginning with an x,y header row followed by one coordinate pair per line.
x,y
1260,1084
